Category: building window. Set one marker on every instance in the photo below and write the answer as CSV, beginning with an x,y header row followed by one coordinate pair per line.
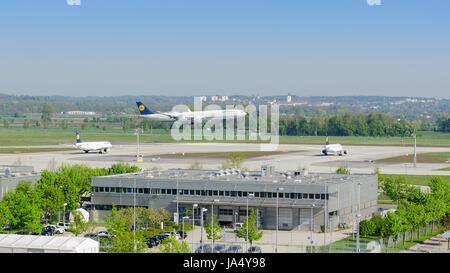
x,y
197,192
305,196
216,193
256,194
322,196
239,194
129,190
233,193
163,191
174,191
286,195
191,192
227,193
299,196
203,193
141,190
293,196
317,196
220,193
311,196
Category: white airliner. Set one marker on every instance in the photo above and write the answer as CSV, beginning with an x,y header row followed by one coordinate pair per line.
x,y
333,148
100,146
188,116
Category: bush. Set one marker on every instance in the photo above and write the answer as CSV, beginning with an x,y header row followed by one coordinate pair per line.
x,y
367,227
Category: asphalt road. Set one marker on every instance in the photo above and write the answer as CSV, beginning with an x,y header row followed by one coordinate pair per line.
x,y
358,161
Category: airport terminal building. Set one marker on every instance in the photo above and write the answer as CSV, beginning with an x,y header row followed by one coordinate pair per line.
x,y
305,200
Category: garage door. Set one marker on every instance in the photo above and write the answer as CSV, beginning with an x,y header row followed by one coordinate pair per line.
x,y
285,218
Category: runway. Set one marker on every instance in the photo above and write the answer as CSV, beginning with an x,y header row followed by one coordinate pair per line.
x,y
358,161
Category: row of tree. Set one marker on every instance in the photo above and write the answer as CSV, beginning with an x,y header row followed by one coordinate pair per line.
x,y
415,208
29,206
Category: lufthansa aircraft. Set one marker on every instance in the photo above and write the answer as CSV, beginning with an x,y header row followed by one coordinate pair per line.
x,y
188,116
101,146
333,148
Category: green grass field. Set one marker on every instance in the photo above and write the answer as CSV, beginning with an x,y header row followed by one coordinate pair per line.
x,y
420,180
35,136
31,150
438,157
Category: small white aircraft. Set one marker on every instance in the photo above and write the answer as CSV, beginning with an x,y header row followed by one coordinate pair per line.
x,y
333,148
188,116
101,146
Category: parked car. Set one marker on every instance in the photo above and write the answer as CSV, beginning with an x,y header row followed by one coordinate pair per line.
x,y
234,249
254,249
174,233
105,234
48,231
204,249
219,249
151,243
155,240
182,234
59,230
161,237
65,226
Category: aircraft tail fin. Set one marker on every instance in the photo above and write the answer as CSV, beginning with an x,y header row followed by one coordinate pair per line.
x,y
326,140
143,109
77,137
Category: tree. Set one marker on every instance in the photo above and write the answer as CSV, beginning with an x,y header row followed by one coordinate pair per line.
x,y
79,225
214,230
254,233
6,217
124,241
391,226
172,245
236,159
47,111
343,171
378,221
23,206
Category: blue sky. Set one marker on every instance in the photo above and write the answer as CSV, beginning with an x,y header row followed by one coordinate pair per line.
x,y
204,47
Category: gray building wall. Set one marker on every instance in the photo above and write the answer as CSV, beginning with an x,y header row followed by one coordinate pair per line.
x,y
343,199
10,176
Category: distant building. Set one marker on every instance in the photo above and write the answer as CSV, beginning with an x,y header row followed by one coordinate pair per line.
x,y
224,98
214,98
80,113
11,175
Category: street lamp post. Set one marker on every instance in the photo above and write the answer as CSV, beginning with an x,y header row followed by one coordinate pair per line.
x,y
276,234
414,136
235,220
201,231
185,217
64,215
312,227
193,223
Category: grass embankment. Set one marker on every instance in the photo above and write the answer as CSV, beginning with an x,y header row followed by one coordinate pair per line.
x,y
32,150
436,157
348,244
